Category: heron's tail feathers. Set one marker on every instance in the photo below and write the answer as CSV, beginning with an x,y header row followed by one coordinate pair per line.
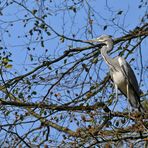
x,y
134,101
141,108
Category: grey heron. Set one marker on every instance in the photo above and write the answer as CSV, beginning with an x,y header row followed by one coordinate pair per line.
x,y
121,73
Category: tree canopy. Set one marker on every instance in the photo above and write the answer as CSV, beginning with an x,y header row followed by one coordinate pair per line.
x,y
55,88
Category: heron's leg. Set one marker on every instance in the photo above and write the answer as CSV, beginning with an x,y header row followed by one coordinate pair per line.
x,y
128,97
116,92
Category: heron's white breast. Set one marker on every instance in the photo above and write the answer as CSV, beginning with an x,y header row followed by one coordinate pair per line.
x,y
119,80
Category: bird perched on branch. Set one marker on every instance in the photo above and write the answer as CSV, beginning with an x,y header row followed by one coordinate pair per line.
x,y
121,73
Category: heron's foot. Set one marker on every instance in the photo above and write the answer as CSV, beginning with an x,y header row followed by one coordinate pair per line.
x,y
130,111
130,114
135,113
115,103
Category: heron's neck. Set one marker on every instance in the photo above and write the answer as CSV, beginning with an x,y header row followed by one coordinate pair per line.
x,y
109,45
105,56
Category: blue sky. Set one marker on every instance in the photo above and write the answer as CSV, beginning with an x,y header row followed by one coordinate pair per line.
x,y
17,43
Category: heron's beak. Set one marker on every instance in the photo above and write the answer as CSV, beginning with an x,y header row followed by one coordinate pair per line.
x,y
97,41
93,41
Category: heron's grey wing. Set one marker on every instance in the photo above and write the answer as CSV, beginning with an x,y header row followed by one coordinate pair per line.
x,y
129,74
134,91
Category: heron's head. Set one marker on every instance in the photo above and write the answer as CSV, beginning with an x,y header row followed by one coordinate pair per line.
x,y
105,39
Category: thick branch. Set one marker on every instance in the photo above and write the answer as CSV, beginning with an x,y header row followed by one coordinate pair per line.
x,y
53,107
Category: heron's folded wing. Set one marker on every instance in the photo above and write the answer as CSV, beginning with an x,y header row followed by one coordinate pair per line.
x,y
130,75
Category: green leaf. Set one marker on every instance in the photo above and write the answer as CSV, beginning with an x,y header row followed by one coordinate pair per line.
x,y
73,8
31,57
62,39
117,123
95,60
85,67
31,32
28,82
34,11
48,33
105,27
34,93
34,76
7,113
21,95
44,16
120,12
42,26
65,61
49,67
42,43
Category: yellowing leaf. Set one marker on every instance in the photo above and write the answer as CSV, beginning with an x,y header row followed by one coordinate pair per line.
x,y
34,11
62,39
89,94
8,66
5,60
